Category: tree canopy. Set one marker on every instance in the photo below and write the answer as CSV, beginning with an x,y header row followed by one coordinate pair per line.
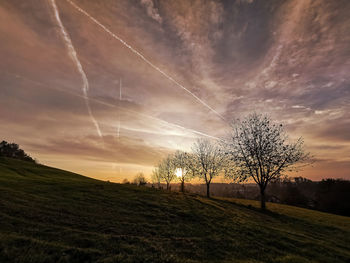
x,y
12,150
261,150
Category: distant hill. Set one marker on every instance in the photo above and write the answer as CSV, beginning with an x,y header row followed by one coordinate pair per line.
x,y
50,215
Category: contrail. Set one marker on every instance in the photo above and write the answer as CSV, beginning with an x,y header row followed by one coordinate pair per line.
x,y
165,123
139,54
74,57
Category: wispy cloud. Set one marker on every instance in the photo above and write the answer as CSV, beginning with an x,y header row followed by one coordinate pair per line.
x,y
289,59
152,11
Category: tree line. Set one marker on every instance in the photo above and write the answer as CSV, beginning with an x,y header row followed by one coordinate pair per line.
x,y
257,149
12,150
328,195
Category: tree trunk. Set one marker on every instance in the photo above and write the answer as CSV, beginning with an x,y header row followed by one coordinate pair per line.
x,y
208,190
183,186
167,186
262,198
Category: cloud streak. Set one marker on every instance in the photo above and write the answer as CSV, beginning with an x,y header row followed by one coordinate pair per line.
x,y
161,122
288,59
75,59
146,60
152,11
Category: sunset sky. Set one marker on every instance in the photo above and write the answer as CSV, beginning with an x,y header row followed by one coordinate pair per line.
x,y
160,74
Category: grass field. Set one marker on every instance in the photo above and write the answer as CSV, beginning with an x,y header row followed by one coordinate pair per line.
x,y
50,215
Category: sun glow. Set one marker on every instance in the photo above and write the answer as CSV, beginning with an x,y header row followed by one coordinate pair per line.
x,y
178,172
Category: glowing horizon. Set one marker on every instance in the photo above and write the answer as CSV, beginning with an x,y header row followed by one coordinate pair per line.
x,y
184,69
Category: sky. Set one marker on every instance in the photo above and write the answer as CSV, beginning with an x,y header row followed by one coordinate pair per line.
x,y
107,88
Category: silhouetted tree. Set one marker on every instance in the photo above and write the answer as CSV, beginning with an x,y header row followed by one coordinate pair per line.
x,y
140,179
208,161
156,177
182,163
12,150
125,181
166,170
261,151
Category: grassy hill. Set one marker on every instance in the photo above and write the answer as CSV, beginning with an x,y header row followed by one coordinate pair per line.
x,y
50,215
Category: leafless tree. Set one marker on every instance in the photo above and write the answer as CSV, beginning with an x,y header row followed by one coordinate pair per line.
x,y
156,177
140,179
182,163
166,170
208,161
125,181
261,151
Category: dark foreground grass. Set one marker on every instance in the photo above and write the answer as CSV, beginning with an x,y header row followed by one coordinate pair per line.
x,y
49,215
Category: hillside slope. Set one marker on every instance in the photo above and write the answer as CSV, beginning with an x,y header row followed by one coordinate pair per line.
x,y
49,215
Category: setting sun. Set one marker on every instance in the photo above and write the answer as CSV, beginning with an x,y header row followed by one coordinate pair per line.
x,y
174,131
178,172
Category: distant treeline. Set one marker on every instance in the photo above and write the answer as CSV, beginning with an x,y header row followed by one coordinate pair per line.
x,y
12,150
328,195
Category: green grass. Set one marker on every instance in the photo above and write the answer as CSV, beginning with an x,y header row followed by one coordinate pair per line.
x,y
50,215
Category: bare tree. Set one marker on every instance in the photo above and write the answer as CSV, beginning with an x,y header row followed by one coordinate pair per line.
x,y
125,181
140,179
167,171
208,161
156,177
261,151
182,163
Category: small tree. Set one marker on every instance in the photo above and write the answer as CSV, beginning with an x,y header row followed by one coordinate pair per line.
x,y
208,161
260,151
182,163
140,179
156,177
125,181
166,170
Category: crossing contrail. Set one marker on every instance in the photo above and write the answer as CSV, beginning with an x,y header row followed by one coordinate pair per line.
x,y
74,57
101,102
140,55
